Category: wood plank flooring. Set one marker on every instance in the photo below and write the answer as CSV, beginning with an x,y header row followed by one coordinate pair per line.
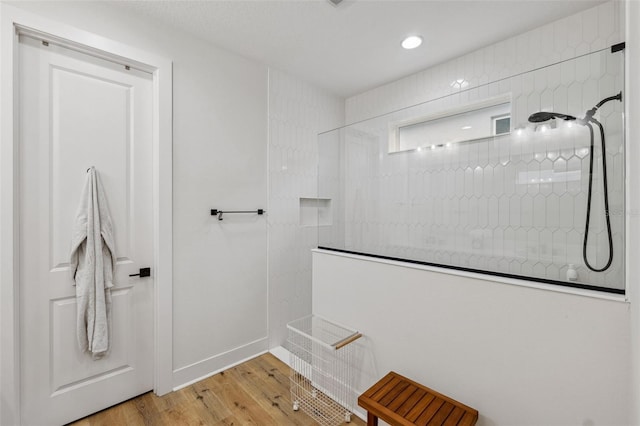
x,y
253,393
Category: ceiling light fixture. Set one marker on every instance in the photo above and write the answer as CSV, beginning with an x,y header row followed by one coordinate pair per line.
x,y
460,83
411,42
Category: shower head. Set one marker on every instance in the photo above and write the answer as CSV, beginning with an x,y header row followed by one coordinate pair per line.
x,y
540,117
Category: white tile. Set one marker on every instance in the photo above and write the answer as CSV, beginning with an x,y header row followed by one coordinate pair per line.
x,y
591,95
487,182
456,175
468,182
526,211
579,211
582,68
574,166
582,49
459,179
533,171
615,65
533,102
567,207
553,76
515,216
607,86
606,20
546,176
526,268
559,251
464,219
509,179
528,82
590,25
617,178
504,212
539,211
574,99
539,270
514,267
478,181
472,212
521,244
509,246
483,154
520,109
560,99
545,245
546,100
552,211
533,245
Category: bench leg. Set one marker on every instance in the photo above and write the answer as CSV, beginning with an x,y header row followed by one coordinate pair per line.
x,y
372,420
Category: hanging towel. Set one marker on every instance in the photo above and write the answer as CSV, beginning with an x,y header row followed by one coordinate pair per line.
x,y
93,263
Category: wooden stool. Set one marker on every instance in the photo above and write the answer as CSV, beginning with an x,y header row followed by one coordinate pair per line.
x,y
400,401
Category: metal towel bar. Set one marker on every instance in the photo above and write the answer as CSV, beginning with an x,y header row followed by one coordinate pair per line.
x,y
219,213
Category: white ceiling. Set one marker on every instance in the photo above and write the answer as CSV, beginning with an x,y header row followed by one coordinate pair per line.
x,y
355,46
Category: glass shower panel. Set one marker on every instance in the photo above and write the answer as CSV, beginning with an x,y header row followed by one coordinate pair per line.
x,y
513,205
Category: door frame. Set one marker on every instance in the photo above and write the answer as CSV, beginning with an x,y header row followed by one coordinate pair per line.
x,y
14,21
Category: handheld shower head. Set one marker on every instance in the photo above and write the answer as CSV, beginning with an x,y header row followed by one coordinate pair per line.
x,y
541,117
588,120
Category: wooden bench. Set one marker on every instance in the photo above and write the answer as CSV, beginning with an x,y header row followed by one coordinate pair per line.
x,y
400,401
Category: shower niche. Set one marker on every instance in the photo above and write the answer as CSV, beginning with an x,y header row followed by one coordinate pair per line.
x,y
513,199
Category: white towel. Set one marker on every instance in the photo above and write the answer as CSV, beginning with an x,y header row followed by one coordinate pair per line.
x,y
93,263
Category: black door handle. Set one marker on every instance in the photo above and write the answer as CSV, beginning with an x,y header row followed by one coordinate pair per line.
x,y
144,272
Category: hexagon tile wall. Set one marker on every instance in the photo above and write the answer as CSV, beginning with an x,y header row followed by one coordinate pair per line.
x,y
513,205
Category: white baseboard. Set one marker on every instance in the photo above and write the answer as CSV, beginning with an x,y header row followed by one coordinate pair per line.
x,y
200,370
281,353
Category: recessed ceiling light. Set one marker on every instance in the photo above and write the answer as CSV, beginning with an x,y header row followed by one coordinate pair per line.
x,y
466,127
412,42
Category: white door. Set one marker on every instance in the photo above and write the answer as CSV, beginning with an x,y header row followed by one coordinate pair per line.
x,y
78,111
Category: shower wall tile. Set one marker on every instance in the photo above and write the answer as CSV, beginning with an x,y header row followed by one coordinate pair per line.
x,y
514,204
298,111
586,32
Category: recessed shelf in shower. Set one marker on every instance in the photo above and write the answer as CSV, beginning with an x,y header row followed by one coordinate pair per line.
x,y
315,212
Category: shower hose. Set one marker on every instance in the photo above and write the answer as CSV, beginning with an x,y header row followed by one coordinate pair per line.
x,y
587,121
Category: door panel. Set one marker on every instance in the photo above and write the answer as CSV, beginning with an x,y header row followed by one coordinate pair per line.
x,y
71,92
73,368
78,111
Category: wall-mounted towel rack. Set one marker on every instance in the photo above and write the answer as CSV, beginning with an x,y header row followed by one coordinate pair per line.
x,y
219,213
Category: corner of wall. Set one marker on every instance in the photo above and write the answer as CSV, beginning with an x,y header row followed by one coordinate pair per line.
x,y
632,56
298,111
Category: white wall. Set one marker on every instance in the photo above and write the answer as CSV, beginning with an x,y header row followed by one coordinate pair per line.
x,y
298,111
633,206
520,356
219,149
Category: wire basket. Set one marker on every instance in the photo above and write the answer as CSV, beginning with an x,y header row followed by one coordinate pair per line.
x,y
321,369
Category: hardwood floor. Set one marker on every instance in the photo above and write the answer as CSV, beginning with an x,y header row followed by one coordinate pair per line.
x,y
253,393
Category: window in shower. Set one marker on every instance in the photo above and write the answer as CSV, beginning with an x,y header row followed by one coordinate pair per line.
x,y
413,186
501,124
442,128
